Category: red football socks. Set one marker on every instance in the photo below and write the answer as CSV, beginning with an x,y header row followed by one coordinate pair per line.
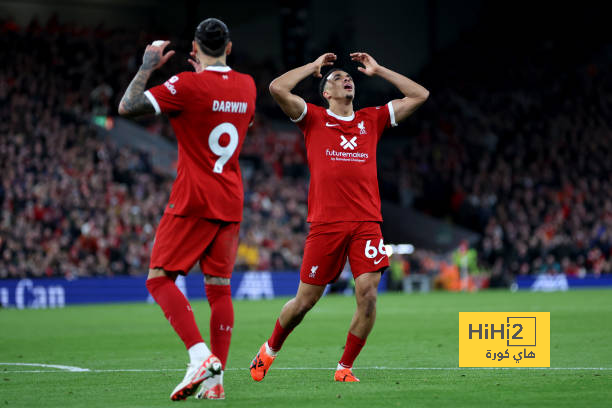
x,y
275,342
176,308
351,350
221,319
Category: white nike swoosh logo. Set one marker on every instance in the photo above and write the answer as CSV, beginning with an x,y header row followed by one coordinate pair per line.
x,y
377,262
331,124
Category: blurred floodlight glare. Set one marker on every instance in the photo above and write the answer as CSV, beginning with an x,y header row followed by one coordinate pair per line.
x,y
400,249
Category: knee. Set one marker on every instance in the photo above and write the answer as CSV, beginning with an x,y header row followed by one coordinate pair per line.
x,y
367,302
215,280
158,273
303,305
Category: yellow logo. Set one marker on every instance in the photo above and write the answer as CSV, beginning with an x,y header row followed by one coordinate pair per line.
x,y
503,339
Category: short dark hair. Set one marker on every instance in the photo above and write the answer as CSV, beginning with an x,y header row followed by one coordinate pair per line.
x,y
212,35
324,81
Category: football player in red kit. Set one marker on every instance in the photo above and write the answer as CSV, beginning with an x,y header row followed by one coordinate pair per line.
x,y
210,111
343,198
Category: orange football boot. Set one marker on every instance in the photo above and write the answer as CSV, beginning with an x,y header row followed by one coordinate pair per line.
x,y
261,363
345,375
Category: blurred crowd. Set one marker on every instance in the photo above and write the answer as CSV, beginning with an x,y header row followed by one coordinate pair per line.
x,y
518,151
275,180
73,204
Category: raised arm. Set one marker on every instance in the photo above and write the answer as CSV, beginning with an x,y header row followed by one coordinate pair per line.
x,y
414,94
281,87
134,101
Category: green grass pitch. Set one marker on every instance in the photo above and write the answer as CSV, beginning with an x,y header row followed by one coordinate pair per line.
x,y
415,337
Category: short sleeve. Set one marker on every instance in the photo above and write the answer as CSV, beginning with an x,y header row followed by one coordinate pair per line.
x,y
383,118
171,95
304,119
254,90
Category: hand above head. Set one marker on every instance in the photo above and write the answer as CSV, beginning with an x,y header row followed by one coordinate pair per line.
x,y
324,60
414,94
154,56
370,66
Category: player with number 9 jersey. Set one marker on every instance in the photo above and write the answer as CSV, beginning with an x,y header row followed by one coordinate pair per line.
x,y
210,112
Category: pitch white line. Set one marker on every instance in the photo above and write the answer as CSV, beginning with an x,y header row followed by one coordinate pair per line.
x,y
127,370
437,368
61,367
137,370
487,368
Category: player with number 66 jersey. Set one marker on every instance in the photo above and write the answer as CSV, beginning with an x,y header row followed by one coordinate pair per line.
x,y
343,198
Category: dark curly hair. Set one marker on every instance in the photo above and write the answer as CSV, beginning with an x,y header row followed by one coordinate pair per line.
x,y
212,35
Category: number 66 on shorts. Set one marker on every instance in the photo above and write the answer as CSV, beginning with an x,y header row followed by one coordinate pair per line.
x,y
328,246
372,252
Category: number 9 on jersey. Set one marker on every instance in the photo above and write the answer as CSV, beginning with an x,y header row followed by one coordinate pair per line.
x,y
224,152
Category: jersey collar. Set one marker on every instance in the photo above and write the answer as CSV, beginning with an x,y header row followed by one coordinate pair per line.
x,y
218,68
344,118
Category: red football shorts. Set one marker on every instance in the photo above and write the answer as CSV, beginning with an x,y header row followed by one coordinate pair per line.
x,y
182,241
328,245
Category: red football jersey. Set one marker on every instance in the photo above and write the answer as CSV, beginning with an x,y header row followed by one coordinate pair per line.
x,y
210,113
342,160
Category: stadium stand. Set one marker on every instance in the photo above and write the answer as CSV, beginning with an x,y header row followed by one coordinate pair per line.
x,y
523,161
75,205
517,147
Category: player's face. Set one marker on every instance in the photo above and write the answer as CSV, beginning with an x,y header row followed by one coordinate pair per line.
x,y
340,85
